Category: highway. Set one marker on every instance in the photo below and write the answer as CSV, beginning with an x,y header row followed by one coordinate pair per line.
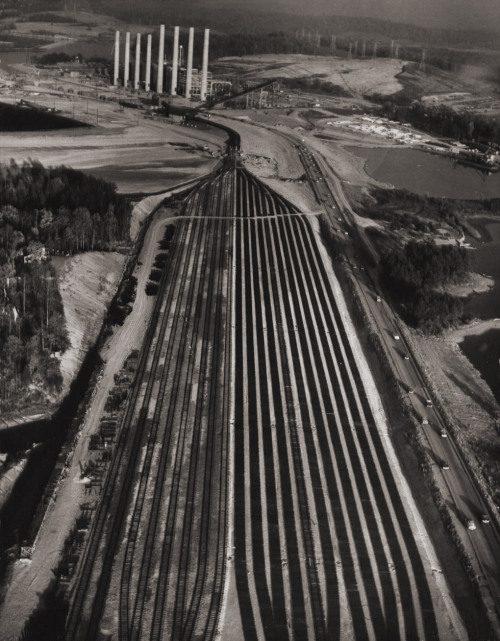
x,y
467,505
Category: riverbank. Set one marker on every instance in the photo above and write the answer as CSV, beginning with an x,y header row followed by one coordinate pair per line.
x,y
474,328
474,284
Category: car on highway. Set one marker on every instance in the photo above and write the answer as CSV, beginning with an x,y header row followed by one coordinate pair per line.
x,y
425,421
411,391
428,402
485,518
396,337
406,357
379,300
445,465
470,524
444,434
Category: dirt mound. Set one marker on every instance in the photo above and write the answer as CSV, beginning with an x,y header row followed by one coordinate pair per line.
x,y
87,283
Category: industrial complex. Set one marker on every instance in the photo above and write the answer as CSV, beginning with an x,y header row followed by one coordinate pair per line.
x,y
179,79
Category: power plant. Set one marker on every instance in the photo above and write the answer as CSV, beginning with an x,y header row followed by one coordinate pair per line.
x,y
183,80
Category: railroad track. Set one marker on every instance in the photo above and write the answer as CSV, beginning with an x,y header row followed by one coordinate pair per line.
x,y
173,574
113,502
307,423
152,375
161,432
323,546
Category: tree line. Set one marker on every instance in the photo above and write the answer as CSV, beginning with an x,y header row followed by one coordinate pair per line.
x,y
65,209
441,120
407,210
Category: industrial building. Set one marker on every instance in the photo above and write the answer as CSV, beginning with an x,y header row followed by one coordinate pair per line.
x,y
158,75
214,88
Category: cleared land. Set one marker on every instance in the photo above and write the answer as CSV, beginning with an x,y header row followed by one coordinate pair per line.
x,y
358,76
137,154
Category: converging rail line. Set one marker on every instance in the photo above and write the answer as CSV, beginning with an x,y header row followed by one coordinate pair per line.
x,y
247,318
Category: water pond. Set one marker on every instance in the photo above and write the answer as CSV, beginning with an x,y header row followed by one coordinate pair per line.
x,y
428,174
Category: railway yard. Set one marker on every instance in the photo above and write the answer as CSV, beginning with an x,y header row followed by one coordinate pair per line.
x,y
249,487
253,463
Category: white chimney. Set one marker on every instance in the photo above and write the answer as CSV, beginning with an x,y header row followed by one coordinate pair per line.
x,y
161,53
127,59
147,83
175,62
204,67
189,68
137,61
116,74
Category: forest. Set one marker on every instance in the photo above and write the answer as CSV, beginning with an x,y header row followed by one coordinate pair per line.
x,y
408,210
45,211
443,121
413,275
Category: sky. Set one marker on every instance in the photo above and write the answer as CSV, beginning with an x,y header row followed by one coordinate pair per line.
x,y
455,14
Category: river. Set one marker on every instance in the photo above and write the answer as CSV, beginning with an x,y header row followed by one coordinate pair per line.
x,y
428,174
483,350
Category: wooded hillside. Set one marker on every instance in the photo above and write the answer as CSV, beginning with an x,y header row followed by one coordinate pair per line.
x,y
45,211
412,276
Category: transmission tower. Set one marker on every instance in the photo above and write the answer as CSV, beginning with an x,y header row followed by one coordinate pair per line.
x,y
396,53
355,52
349,54
374,54
421,66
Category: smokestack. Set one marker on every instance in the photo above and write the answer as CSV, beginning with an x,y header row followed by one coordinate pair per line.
x,y
127,59
137,61
204,67
116,74
161,53
189,70
147,84
175,62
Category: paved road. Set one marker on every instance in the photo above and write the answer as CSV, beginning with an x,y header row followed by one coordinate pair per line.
x,y
458,487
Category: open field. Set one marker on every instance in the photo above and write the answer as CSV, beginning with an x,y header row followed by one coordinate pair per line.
x,y
356,76
139,155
